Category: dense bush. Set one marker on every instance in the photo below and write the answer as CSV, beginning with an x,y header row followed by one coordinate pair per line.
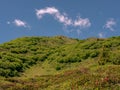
x,y
58,68
19,54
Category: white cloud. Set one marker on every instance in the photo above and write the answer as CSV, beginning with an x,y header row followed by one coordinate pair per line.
x,y
109,24
63,18
20,23
8,22
78,32
55,12
82,22
101,35
48,10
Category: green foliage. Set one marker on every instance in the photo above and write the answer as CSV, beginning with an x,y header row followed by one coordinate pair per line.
x,y
102,78
18,55
58,68
94,54
19,51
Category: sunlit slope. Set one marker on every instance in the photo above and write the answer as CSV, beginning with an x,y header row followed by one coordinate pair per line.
x,y
60,63
18,55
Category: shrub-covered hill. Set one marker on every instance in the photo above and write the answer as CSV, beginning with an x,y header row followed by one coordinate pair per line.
x,y
20,54
75,64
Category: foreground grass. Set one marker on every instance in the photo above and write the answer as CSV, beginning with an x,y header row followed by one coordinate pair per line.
x,y
86,75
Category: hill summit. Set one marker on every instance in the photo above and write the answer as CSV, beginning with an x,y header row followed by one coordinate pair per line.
x,y
65,63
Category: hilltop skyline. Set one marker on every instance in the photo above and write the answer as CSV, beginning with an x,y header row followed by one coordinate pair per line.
x,y
80,19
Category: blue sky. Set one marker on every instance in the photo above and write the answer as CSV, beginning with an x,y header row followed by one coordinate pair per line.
x,y
77,19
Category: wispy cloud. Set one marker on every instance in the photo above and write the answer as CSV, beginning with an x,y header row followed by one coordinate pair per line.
x,y
63,18
48,10
19,23
82,22
78,32
55,12
110,24
8,22
101,35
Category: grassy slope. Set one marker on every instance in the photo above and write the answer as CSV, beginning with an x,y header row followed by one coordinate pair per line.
x,y
61,63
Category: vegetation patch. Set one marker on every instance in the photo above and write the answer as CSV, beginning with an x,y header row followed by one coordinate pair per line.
x,y
50,63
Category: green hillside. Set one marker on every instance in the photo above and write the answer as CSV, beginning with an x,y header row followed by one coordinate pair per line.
x,y
60,63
